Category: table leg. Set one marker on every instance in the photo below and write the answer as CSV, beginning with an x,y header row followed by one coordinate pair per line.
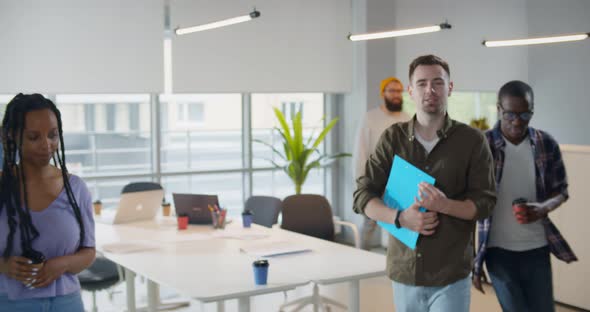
x,y
354,296
221,306
244,304
153,296
130,289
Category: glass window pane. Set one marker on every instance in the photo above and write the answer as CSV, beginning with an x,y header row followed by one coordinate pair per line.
x,y
227,186
4,99
464,106
489,110
103,135
201,132
264,120
276,183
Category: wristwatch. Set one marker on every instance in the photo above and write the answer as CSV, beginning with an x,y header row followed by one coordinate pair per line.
x,y
396,222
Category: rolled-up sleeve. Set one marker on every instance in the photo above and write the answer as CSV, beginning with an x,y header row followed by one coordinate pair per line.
x,y
481,183
372,183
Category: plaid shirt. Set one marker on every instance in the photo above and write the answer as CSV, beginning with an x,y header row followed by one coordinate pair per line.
x,y
551,180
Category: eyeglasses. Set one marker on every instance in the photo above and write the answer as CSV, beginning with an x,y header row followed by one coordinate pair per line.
x,y
511,116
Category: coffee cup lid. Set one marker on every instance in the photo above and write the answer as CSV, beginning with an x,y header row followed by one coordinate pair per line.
x,y
519,200
260,263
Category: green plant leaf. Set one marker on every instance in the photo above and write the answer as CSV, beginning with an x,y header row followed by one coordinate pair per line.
x,y
325,132
297,135
284,125
281,155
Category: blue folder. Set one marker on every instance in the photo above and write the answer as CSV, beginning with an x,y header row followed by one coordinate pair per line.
x,y
400,191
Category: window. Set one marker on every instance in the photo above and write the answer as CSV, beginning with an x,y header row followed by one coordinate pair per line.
x,y
190,113
213,144
276,182
465,106
110,141
106,134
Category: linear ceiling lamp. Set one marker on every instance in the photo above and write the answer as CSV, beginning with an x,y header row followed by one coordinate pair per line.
x,y
539,40
399,33
226,22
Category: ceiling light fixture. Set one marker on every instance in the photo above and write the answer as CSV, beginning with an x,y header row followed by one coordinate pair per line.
x,y
226,22
539,40
399,33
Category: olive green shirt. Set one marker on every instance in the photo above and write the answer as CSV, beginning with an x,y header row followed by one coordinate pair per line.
x,y
462,165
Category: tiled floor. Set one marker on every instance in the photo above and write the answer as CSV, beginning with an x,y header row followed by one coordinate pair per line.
x,y
376,296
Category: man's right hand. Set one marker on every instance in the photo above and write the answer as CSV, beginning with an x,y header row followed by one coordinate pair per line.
x,y
421,222
18,268
476,281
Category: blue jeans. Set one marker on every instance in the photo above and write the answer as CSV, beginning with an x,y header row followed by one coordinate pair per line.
x,y
453,297
66,303
522,279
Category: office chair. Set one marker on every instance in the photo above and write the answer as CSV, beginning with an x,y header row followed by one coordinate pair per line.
x,y
140,187
265,209
311,215
101,275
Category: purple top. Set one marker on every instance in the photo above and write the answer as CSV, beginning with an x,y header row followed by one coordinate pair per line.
x,y
59,235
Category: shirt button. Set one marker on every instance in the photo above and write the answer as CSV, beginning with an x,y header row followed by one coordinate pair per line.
x,y
427,167
419,255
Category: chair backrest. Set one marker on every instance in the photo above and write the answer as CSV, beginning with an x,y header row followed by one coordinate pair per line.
x,y
308,214
141,187
265,209
103,273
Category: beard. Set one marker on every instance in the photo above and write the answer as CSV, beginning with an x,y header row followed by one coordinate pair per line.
x,y
394,106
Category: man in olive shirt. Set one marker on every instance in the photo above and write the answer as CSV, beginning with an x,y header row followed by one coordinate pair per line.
x,y
434,276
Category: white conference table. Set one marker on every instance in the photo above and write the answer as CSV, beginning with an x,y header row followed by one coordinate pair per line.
x,y
211,269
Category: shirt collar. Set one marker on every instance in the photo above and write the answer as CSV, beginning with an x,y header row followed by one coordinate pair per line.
x,y
442,133
498,138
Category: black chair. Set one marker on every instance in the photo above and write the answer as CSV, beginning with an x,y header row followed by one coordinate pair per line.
x,y
101,275
311,214
140,187
265,209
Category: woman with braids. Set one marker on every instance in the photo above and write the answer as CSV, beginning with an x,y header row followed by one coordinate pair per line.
x,y
46,224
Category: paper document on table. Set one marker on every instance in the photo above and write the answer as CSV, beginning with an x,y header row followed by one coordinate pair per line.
x,y
181,237
275,248
129,247
400,191
243,234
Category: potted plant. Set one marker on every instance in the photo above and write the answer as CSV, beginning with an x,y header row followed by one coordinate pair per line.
x,y
479,123
299,155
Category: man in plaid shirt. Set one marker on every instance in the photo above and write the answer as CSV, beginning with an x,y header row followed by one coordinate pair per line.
x,y
516,246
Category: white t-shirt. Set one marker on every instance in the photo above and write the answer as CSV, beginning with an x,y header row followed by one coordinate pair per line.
x,y
518,180
373,124
428,145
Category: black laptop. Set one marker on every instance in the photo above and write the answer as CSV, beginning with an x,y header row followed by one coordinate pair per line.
x,y
195,206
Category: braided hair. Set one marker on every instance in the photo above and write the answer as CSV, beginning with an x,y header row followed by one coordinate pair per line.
x,y
13,178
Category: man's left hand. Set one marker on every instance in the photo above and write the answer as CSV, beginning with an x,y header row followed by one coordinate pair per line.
x,y
432,198
535,211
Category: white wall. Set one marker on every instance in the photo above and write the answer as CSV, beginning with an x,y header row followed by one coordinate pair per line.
x,y
81,46
473,67
559,73
570,280
294,46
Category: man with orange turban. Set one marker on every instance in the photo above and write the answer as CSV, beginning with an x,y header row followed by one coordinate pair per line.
x,y
371,127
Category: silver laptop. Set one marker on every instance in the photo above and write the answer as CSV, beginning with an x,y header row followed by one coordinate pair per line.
x,y
195,206
135,206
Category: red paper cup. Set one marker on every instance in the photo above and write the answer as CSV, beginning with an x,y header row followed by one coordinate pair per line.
x,y
520,209
182,222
